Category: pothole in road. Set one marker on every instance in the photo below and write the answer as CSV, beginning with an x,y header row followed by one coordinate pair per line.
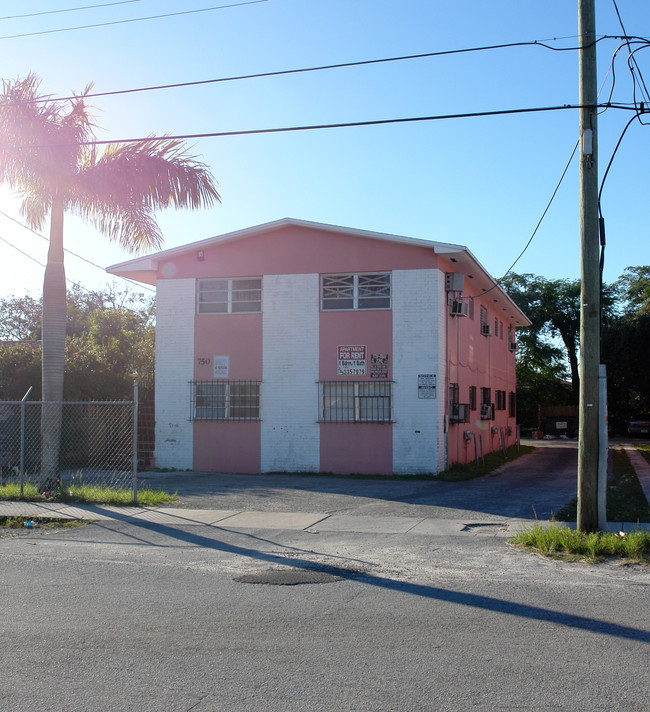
x,y
296,577
484,526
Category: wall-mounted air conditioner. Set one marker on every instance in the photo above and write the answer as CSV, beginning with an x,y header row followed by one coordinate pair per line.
x,y
457,308
512,346
486,411
486,329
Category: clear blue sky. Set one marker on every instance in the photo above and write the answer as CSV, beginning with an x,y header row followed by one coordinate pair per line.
x,y
480,182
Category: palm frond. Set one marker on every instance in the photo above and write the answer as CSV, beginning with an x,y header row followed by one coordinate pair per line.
x,y
159,173
134,228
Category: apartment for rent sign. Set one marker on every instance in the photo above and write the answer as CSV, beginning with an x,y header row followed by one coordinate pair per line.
x,y
352,360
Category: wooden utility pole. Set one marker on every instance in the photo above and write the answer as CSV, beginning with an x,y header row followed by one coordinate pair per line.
x,y
589,273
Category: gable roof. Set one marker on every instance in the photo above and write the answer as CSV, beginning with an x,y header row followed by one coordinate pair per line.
x,y
144,269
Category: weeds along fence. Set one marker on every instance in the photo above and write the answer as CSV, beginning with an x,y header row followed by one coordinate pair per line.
x,y
97,447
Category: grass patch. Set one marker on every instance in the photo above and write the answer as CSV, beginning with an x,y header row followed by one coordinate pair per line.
x,y
40,524
571,545
87,494
493,460
626,501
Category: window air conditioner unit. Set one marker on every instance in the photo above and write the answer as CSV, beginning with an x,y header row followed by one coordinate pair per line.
x,y
458,308
486,329
512,346
486,411
459,412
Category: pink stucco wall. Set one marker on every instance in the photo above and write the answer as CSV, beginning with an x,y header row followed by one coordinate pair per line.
x,y
484,362
359,448
365,448
227,446
297,250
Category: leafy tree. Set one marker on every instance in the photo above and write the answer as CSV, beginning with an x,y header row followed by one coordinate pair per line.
x,y
47,153
105,348
553,306
634,289
21,318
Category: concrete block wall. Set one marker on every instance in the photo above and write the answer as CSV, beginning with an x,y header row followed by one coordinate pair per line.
x,y
416,350
290,433
175,307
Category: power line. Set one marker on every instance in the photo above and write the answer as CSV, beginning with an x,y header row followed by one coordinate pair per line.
x,y
69,9
339,65
351,124
135,19
70,252
546,209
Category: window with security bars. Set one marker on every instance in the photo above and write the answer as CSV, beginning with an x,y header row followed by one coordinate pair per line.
x,y
355,291
355,402
225,400
230,296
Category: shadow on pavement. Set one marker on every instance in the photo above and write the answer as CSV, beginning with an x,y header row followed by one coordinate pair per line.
x,y
472,600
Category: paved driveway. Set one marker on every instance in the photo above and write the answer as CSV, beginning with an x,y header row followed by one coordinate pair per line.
x,y
535,485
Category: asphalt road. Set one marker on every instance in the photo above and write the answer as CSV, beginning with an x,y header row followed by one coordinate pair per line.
x,y
149,617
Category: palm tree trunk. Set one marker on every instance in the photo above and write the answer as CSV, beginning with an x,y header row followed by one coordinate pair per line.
x,y
53,335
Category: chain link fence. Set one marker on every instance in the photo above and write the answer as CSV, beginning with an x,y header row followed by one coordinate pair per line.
x,y
98,442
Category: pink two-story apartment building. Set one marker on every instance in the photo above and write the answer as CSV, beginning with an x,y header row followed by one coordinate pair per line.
x,y
297,346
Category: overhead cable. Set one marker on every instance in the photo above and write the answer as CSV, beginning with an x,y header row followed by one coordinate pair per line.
x,y
353,124
68,9
70,252
135,19
338,65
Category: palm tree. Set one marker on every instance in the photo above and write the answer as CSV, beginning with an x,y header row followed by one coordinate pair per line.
x,y
47,153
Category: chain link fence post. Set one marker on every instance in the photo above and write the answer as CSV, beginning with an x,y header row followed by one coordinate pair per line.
x,y
22,441
135,442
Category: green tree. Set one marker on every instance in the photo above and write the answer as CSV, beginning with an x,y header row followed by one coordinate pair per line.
x,y
634,289
553,306
21,318
47,153
106,347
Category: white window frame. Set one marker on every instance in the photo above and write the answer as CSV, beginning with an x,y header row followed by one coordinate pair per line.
x,y
356,295
230,285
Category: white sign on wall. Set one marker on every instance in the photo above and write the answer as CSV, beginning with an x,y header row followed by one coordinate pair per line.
x,y
427,385
352,361
221,367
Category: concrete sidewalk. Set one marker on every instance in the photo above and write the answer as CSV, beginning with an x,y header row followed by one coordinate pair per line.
x,y
312,522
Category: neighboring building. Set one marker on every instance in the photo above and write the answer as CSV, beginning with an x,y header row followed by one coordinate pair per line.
x,y
296,346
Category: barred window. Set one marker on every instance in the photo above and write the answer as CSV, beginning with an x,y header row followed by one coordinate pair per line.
x,y
472,397
355,402
229,296
225,400
355,291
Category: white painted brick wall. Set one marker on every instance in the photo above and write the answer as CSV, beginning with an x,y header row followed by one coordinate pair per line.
x,y
175,305
418,348
289,408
